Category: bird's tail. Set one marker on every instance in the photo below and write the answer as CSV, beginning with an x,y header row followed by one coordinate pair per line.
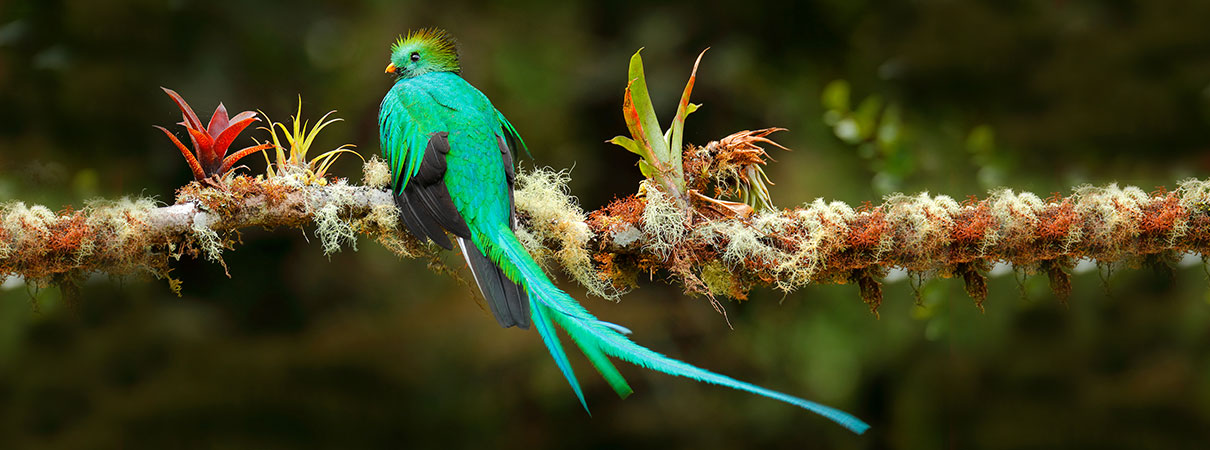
x,y
598,339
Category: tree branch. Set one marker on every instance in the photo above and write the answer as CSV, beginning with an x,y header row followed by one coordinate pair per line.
x,y
709,250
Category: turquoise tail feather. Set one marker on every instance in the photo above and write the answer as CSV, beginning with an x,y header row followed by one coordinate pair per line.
x,y
597,338
546,329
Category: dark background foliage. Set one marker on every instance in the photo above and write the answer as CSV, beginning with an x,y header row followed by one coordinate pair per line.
x,y
362,350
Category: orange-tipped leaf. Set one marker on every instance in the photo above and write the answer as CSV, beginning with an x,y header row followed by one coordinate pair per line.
x,y
634,124
678,123
198,173
231,159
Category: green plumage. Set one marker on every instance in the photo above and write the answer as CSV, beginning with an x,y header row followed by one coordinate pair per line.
x,y
450,155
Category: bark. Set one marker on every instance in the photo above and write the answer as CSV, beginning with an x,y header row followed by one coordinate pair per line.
x,y
710,249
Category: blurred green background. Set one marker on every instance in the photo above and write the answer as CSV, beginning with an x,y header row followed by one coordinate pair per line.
x,y
362,350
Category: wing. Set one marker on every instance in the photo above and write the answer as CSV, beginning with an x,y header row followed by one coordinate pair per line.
x,y
424,202
428,211
418,165
400,134
416,150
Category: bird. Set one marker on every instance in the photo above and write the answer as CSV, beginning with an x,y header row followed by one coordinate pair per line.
x,y
450,152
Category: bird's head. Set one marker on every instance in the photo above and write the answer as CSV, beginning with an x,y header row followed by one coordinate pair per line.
x,y
423,51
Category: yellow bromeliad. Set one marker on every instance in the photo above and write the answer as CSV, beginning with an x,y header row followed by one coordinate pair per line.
x,y
292,161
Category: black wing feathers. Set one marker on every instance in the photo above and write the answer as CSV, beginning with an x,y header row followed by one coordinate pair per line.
x,y
425,204
428,211
417,221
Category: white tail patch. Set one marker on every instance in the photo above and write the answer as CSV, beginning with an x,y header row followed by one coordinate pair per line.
x,y
467,258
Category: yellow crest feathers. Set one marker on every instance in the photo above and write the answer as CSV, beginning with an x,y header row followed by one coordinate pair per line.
x,y
436,39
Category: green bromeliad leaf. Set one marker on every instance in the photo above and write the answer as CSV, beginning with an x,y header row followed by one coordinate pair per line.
x,y
683,109
628,144
646,169
648,124
660,150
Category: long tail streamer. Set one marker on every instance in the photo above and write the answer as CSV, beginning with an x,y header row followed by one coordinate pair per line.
x,y
598,339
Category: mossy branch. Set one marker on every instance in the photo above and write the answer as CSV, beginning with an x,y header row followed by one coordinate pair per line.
x,y
137,236
823,242
709,250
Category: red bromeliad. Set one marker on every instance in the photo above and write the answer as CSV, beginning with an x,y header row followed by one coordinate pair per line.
x,y
209,156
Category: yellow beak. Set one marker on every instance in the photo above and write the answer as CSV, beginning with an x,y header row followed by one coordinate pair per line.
x,y
391,68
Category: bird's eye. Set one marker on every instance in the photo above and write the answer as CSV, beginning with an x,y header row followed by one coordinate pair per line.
x,y
415,56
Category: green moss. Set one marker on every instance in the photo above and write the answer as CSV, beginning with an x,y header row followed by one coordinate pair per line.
x,y
719,279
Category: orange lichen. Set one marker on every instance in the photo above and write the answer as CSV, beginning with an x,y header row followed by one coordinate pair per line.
x,y
1158,220
45,246
708,251
970,228
618,216
868,230
1055,222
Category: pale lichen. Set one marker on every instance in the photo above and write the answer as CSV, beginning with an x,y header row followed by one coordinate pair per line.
x,y
376,173
625,235
555,216
711,253
330,206
332,230
921,223
1110,216
542,254
205,238
664,222
825,226
383,224
118,226
1193,195
813,233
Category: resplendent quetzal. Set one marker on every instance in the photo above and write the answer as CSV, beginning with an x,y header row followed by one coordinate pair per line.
x,y
450,153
